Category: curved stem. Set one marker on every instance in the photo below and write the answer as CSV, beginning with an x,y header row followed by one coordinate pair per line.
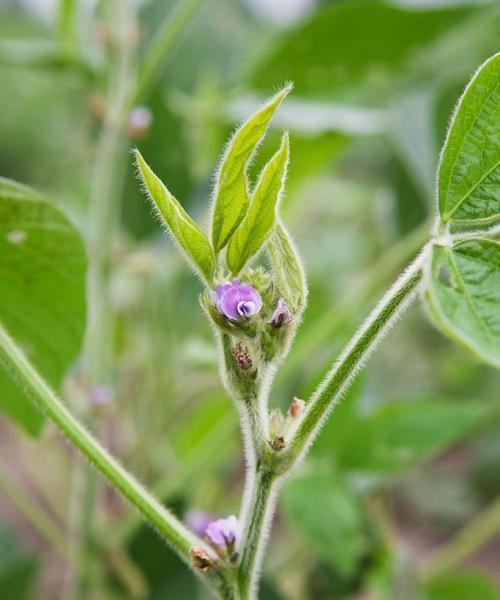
x,y
178,537
353,358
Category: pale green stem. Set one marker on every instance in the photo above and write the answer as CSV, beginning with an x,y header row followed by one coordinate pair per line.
x,y
66,21
470,539
354,357
175,533
106,182
258,501
256,520
155,54
371,283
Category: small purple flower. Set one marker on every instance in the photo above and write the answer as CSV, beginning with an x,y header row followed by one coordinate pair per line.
x,y
198,521
281,314
237,300
101,395
224,532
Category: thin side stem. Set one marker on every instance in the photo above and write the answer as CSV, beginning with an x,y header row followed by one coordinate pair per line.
x,y
354,357
178,537
467,541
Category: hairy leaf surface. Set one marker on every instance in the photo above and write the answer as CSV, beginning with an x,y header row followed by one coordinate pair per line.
x,y
189,236
260,219
469,171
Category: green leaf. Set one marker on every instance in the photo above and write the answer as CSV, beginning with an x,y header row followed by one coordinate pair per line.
x,y
288,269
329,517
402,433
190,238
231,191
467,585
463,293
42,292
354,51
469,171
258,223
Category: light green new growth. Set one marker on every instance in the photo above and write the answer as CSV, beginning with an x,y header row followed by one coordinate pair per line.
x,y
231,196
258,223
189,236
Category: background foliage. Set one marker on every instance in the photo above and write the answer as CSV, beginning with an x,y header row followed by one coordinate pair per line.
x,y
412,456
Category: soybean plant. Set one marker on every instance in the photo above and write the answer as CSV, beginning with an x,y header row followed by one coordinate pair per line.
x,y
254,296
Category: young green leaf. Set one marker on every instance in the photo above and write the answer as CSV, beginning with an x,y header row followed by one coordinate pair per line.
x,y
42,292
469,171
189,236
260,219
288,268
463,293
231,190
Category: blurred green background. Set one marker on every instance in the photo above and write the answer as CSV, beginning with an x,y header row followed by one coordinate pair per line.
x,y
400,498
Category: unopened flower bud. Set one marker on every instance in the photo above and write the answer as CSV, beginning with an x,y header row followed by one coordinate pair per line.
x,y
100,395
281,314
139,122
296,408
278,443
237,300
200,560
224,534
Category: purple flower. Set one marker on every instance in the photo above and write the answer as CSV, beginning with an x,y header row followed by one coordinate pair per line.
x,y
281,314
224,532
198,521
237,300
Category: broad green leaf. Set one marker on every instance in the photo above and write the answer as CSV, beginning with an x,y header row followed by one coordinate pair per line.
x,y
329,517
190,238
288,268
42,292
463,293
354,51
401,433
231,190
469,171
258,223
468,585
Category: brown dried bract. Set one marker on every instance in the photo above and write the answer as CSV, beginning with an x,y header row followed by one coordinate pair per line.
x,y
200,560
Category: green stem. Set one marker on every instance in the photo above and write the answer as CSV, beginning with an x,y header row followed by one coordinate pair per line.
x,y
371,283
476,533
161,44
255,519
66,21
353,358
177,536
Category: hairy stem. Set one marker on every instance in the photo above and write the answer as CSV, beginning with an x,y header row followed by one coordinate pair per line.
x,y
177,536
354,357
255,520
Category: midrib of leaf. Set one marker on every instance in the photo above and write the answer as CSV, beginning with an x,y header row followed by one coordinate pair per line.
x,y
462,142
468,297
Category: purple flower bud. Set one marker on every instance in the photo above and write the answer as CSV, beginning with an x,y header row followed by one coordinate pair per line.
x,y
101,395
198,521
139,121
237,300
281,314
224,532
